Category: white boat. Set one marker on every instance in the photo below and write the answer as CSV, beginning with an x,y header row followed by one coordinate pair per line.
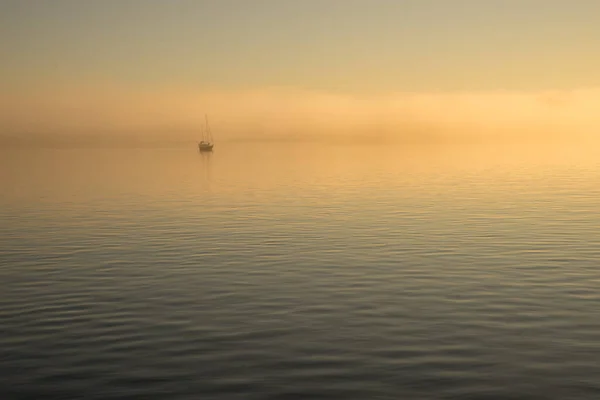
x,y
206,144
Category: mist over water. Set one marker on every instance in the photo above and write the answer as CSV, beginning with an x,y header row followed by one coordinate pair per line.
x,y
403,200
272,270
154,116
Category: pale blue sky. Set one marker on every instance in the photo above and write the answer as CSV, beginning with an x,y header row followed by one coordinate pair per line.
x,y
336,45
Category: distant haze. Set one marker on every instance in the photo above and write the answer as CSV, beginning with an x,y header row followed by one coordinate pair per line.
x,y
384,70
289,114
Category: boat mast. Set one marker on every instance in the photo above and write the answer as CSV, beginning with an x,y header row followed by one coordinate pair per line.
x,y
208,132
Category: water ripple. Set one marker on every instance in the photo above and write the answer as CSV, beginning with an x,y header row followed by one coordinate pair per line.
x,y
481,285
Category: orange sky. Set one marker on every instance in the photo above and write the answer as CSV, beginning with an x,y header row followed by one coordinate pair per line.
x,y
382,68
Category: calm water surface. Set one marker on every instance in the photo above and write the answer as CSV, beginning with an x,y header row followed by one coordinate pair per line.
x,y
299,272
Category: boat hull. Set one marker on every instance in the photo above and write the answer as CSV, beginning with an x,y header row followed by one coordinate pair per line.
x,y
205,147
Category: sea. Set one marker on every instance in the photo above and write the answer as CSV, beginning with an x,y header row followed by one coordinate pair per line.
x,y
300,271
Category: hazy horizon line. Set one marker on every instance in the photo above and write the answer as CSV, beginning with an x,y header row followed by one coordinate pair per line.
x,y
299,115
158,140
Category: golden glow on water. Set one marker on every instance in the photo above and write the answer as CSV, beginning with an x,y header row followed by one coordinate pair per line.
x,y
248,169
270,255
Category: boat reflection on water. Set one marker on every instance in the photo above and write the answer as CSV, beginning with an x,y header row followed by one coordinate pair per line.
x,y
206,160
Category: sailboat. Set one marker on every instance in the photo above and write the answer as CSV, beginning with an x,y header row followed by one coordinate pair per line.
x,y
207,139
